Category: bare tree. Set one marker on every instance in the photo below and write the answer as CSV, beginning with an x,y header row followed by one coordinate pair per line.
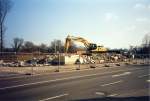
x,y
43,48
146,40
17,44
56,45
29,47
72,48
5,6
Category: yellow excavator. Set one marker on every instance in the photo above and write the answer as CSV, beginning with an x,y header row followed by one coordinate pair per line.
x,y
90,47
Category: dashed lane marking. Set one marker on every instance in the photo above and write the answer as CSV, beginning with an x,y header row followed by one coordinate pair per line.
x,y
112,95
112,83
61,79
54,97
100,93
148,81
144,75
123,74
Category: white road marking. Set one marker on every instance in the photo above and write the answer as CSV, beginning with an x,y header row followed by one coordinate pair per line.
x,y
143,75
54,97
55,73
68,78
112,95
148,81
125,73
103,94
100,93
24,76
112,83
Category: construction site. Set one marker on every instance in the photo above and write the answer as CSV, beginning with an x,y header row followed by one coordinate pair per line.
x,y
74,50
92,56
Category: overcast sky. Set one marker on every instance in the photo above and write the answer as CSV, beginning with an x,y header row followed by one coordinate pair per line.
x,y
112,23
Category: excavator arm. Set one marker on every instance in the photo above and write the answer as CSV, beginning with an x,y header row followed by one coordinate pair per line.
x,y
67,44
69,39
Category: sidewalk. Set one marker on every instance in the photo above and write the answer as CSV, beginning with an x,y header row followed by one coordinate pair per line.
x,y
12,71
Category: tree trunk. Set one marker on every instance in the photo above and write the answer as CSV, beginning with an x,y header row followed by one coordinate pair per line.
x,y
1,38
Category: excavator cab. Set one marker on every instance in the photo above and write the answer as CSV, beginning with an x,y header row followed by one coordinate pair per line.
x,y
91,47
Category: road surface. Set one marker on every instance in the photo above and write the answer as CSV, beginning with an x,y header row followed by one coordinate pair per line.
x,y
125,83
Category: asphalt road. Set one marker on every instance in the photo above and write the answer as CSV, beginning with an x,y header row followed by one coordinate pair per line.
x,y
120,83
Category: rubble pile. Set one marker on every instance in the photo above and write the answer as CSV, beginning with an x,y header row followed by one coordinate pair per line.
x,y
65,59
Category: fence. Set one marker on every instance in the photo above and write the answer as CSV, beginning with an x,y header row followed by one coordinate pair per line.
x,y
13,56
137,59
8,56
